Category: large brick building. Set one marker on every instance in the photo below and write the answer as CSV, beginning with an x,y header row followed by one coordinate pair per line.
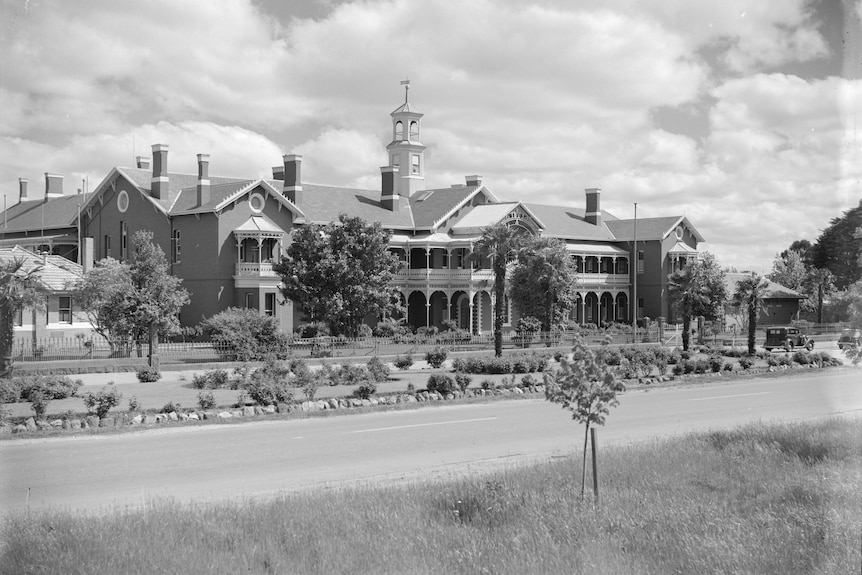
x,y
223,235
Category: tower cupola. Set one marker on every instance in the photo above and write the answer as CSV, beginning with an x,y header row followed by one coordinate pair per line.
x,y
406,152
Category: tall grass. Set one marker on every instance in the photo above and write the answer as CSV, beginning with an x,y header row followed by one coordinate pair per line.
x,y
765,499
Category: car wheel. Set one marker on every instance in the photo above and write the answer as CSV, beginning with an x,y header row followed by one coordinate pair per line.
x,y
809,346
788,345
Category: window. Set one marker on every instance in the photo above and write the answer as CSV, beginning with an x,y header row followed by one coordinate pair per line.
x,y
107,246
395,160
249,300
65,309
399,131
269,304
640,261
416,167
124,241
18,320
175,246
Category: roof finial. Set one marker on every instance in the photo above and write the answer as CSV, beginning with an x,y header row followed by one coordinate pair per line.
x,y
406,84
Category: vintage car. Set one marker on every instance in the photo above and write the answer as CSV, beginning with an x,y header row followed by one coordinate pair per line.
x,y
787,338
850,338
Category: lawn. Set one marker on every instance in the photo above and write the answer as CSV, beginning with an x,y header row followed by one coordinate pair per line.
x,y
768,499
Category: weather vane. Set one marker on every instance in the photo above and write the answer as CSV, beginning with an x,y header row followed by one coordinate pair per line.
x,y
406,84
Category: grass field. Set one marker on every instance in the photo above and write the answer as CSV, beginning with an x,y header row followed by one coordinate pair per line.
x,y
761,499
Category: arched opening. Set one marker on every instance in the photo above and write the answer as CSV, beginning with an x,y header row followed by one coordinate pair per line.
x,y
439,309
622,307
483,313
461,309
414,130
607,308
399,130
591,308
417,312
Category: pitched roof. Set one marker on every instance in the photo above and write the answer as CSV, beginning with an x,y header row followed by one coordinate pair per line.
x,y
773,290
570,223
323,204
56,274
431,206
53,213
649,228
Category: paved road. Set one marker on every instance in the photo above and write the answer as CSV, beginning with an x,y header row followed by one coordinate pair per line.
x,y
218,462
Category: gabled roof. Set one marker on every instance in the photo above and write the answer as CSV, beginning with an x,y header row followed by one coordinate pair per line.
x,y
570,223
432,207
257,224
773,290
650,228
50,214
484,215
323,204
56,274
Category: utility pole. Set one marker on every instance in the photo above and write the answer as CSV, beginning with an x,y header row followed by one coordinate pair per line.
x,y
635,280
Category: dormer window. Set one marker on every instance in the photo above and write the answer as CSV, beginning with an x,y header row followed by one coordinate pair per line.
x,y
414,130
399,130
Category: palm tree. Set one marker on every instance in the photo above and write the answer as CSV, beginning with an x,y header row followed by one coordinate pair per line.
x,y
688,297
20,287
498,244
749,293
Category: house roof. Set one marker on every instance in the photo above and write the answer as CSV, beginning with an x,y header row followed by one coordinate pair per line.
x,y
50,214
570,223
259,223
650,228
597,248
430,207
323,204
773,290
56,273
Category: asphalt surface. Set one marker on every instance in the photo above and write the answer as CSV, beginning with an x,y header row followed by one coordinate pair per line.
x,y
211,463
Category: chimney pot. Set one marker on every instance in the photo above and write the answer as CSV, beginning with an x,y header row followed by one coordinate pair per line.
x,y
293,178
160,181
53,185
203,187
278,173
474,181
22,189
142,162
594,206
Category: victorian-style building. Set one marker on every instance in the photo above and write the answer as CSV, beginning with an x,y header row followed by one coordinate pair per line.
x,y
223,235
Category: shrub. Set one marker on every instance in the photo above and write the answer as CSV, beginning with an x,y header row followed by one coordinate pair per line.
x,y
661,364
529,381
462,380
133,403
39,403
20,388
715,362
745,362
802,357
728,366
700,366
377,370
498,365
388,328
771,361
171,406
404,361
436,357
527,327
148,374
364,331
411,389
206,400
312,330
349,374
677,369
212,379
441,383
268,384
488,385
241,334
674,358
685,354
427,332
365,390
688,366
101,402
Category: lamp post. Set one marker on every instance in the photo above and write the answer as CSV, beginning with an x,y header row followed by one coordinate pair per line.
x,y
635,280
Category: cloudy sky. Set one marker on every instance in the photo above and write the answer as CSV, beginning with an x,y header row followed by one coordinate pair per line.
x,y
744,115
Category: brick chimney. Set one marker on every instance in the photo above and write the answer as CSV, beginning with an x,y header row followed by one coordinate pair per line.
x,y
293,178
22,189
594,206
159,185
53,186
278,173
388,198
474,181
142,162
203,179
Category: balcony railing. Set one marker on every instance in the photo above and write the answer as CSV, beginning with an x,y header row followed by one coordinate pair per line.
x,y
462,275
255,269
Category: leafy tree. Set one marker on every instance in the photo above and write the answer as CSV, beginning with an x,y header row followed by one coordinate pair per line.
x,y
122,300
498,243
820,283
803,247
749,295
586,386
695,290
340,272
20,287
542,283
789,270
838,248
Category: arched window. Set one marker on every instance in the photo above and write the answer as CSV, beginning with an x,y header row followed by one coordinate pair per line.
x,y
399,131
414,130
